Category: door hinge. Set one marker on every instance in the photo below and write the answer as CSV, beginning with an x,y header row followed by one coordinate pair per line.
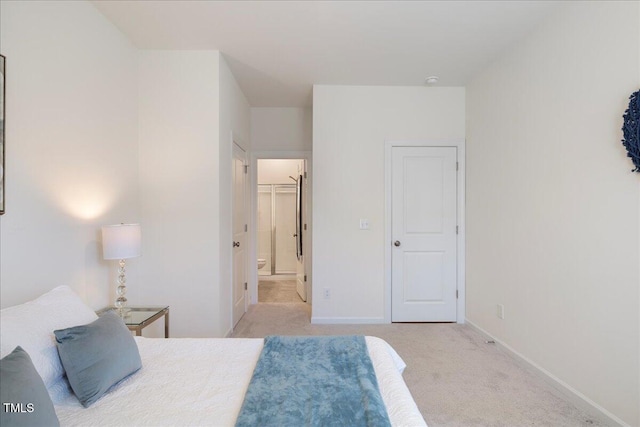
x,y
305,277
246,168
305,227
305,175
456,229
457,166
456,294
245,286
246,228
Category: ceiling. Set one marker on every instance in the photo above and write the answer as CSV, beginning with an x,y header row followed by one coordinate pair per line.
x,y
277,50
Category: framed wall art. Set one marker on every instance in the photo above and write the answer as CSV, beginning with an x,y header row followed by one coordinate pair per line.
x,y
2,109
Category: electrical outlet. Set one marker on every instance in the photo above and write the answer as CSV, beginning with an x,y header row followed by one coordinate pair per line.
x,y
327,293
364,224
500,311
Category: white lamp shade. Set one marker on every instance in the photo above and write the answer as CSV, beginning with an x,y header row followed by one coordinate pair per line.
x,y
121,241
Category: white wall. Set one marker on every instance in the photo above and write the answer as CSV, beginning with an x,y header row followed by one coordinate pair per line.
x,y
190,104
100,133
234,119
350,126
278,171
71,152
552,207
179,188
281,129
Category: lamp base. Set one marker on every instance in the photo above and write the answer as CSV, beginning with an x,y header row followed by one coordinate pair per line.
x,y
122,310
121,290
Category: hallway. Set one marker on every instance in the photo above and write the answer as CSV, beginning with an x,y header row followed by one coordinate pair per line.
x,y
278,289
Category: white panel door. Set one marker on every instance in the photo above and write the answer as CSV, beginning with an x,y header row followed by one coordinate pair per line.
x,y
239,279
424,253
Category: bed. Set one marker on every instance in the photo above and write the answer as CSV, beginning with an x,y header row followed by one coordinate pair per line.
x,y
183,381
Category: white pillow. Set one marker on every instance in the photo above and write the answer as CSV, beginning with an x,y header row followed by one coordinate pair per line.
x,y
31,325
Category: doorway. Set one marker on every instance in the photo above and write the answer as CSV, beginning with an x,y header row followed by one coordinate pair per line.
x,y
281,221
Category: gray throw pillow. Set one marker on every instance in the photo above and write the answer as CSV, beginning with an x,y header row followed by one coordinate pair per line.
x,y
23,395
97,356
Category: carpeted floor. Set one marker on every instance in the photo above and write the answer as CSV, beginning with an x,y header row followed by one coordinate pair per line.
x,y
455,377
278,289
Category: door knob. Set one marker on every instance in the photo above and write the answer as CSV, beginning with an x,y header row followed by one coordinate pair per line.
x,y
396,243
236,244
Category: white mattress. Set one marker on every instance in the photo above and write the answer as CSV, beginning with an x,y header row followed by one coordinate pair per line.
x,y
195,381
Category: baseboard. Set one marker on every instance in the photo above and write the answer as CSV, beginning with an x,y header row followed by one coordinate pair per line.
x,y
573,395
347,320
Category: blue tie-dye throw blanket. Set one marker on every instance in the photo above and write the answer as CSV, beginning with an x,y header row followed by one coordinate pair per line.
x,y
313,381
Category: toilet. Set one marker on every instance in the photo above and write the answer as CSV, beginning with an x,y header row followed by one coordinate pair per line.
x,y
261,262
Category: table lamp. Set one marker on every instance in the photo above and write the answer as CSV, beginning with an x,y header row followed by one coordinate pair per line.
x,y
121,242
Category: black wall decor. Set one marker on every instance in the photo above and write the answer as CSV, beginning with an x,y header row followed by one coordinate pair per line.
x,y
631,130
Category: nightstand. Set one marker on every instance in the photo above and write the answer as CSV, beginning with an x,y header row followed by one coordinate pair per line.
x,y
137,318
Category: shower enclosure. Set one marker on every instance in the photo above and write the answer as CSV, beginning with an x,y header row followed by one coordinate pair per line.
x,y
277,220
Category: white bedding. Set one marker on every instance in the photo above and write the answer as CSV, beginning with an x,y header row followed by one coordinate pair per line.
x,y
202,382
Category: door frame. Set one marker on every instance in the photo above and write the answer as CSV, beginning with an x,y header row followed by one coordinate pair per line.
x,y
460,243
253,220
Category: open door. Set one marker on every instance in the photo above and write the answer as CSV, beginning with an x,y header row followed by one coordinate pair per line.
x,y
301,229
239,280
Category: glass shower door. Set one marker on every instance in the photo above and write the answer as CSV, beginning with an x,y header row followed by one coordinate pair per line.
x,y
285,229
265,228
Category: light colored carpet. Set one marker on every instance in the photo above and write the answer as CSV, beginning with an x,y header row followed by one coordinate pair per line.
x,y
278,290
455,377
